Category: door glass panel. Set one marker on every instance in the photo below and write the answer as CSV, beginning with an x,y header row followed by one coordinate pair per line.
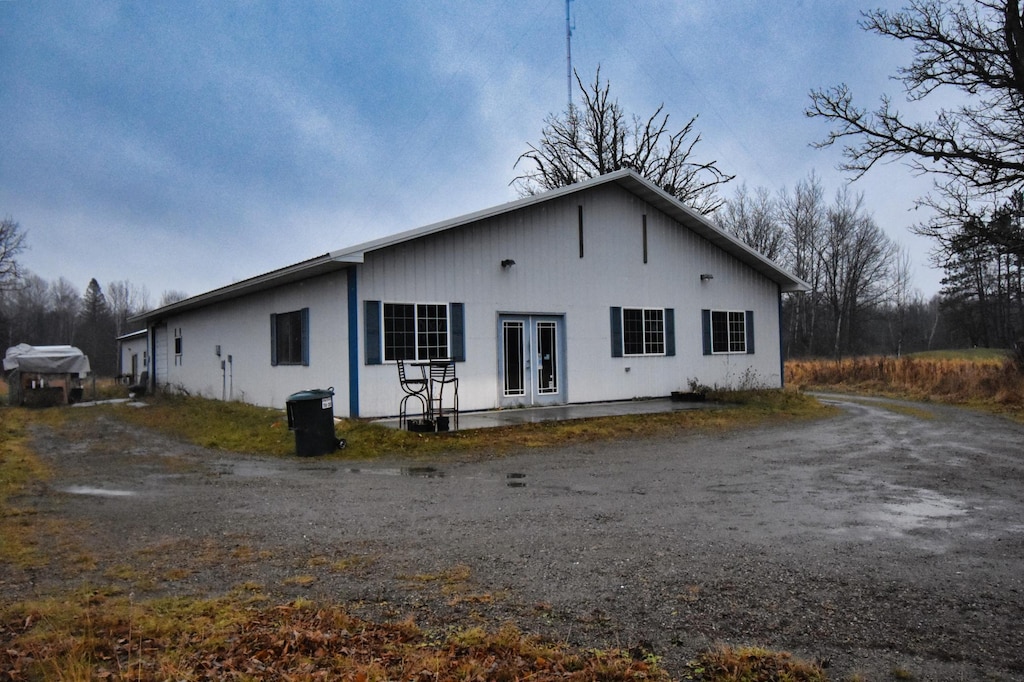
x,y
547,361
513,351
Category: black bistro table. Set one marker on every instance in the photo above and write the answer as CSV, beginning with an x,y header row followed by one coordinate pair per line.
x,y
439,373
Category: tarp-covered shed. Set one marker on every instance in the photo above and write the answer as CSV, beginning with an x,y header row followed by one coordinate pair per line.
x,y
44,374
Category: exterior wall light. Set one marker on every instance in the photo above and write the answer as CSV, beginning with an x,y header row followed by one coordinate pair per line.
x,y
705,277
507,263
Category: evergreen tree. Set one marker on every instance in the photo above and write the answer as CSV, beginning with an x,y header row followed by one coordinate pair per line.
x,y
96,331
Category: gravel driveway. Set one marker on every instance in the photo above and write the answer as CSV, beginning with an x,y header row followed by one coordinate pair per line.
x,y
887,539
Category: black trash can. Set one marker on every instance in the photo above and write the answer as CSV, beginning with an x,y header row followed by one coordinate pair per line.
x,y
311,417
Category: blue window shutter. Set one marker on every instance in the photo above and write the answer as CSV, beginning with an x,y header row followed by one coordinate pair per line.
x,y
749,326
616,320
371,322
670,331
273,340
304,317
705,325
457,313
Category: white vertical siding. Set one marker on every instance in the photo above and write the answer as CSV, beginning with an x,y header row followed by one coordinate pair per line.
x,y
464,265
241,328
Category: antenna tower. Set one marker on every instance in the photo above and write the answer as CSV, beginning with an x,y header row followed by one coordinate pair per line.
x,y
568,50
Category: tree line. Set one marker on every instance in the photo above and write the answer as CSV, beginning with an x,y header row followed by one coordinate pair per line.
x,y
48,313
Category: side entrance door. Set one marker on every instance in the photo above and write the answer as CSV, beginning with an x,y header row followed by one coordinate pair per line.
x,y
531,359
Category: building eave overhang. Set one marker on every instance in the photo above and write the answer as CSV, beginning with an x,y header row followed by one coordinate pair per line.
x,y
313,267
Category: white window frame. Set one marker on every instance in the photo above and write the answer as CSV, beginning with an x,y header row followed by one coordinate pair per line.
x,y
421,351
735,332
645,331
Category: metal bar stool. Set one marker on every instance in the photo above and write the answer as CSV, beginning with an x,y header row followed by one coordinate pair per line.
x,y
442,373
413,388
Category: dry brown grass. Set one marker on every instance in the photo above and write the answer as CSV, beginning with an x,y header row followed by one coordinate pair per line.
x,y
108,636
753,664
990,381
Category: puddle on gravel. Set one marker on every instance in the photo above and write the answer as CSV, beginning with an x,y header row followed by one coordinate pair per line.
x,y
98,492
928,509
416,472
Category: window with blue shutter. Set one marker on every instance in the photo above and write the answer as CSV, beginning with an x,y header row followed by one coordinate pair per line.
x,y
414,331
642,331
289,338
727,331
616,331
371,323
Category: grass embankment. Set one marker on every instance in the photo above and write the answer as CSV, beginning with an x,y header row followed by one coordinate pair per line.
x,y
984,379
102,633
244,428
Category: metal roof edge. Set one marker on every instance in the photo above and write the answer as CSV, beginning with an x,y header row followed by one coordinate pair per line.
x,y
626,178
318,265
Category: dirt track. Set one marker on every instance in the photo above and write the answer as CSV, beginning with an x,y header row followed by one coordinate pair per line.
x,y
884,538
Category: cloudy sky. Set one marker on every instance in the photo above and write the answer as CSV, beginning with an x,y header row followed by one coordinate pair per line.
x,y
188,145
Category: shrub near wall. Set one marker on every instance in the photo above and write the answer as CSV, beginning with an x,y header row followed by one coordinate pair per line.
x,y
992,379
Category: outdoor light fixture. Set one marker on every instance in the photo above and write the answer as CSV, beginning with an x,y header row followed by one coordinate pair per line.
x,y
705,277
507,263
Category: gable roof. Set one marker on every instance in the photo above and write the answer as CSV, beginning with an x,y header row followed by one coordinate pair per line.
x,y
631,182
627,179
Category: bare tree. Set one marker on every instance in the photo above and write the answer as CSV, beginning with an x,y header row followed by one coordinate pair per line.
x,y
754,219
125,300
802,216
171,296
65,302
12,242
29,311
975,47
856,260
901,297
598,138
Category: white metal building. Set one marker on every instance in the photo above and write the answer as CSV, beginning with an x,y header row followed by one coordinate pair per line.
x,y
608,289
132,356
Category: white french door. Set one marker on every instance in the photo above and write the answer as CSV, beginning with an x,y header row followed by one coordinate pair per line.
x,y
531,360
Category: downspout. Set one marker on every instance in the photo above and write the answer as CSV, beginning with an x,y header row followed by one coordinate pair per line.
x,y
353,344
782,353
151,381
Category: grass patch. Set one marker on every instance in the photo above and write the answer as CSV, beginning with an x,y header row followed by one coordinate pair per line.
x,y
246,428
99,635
986,379
20,528
752,664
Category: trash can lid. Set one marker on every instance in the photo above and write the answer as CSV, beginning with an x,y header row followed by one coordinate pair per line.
x,y
311,394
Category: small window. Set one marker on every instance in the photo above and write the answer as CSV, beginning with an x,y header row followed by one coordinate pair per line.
x,y
289,338
728,331
177,346
643,331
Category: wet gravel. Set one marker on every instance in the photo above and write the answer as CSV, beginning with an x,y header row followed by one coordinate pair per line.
x,y
886,540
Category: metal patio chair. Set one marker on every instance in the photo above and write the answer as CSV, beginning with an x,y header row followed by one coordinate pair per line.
x,y
442,374
413,388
